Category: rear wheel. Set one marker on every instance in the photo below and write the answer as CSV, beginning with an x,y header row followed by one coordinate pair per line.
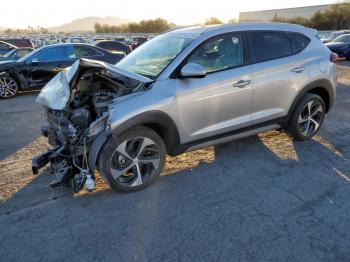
x,y
8,86
307,117
133,160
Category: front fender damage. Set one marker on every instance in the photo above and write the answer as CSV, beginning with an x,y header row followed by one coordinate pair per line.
x,y
78,131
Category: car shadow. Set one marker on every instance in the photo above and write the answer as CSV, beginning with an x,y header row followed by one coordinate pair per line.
x,y
270,159
255,188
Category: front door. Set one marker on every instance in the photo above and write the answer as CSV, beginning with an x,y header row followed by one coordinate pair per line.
x,y
46,65
221,101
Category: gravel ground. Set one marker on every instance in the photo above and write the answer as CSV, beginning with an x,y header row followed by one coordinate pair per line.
x,y
263,198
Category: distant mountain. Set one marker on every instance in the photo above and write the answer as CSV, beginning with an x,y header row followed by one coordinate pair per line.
x,y
87,24
2,29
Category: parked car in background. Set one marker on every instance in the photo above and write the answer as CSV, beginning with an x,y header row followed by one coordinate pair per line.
x,y
137,41
121,39
6,47
75,40
19,42
333,35
323,34
113,46
16,54
341,46
38,67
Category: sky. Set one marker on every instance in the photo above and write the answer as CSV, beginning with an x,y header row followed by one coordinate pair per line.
x,y
47,13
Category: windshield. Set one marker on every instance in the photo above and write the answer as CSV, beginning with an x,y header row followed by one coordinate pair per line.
x,y
153,56
342,38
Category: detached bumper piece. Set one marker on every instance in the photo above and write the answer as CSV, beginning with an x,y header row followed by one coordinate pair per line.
x,y
41,161
59,165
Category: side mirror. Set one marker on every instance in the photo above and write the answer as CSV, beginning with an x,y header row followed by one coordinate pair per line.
x,y
35,61
192,70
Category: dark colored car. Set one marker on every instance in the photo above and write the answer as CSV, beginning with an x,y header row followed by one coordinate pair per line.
x,y
5,48
34,70
16,54
341,46
19,42
138,40
113,46
121,40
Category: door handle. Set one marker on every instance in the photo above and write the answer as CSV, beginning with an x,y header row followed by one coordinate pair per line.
x,y
241,83
298,69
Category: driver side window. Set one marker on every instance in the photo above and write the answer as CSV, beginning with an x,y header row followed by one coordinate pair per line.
x,y
51,54
219,53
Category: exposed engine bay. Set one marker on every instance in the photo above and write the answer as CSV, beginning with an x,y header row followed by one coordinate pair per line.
x,y
94,88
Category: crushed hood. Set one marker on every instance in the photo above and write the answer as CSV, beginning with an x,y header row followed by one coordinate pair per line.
x,y
127,78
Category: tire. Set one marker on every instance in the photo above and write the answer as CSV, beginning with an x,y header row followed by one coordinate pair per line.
x,y
8,86
307,117
133,160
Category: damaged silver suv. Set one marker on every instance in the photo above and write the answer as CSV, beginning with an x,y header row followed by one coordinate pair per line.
x,y
183,90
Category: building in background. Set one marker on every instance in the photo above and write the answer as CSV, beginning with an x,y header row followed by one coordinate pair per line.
x,y
268,15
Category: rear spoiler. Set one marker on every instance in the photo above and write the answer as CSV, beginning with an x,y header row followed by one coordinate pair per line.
x,y
312,31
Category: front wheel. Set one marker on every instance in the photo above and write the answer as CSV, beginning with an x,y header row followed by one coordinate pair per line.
x,y
132,160
307,117
8,86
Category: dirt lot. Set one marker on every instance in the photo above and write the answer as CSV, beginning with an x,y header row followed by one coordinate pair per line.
x,y
264,198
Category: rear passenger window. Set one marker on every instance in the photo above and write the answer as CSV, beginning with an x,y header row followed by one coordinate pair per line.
x,y
269,45
299,42
83,51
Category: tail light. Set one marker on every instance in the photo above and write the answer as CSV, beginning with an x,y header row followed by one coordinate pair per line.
x,y
334,58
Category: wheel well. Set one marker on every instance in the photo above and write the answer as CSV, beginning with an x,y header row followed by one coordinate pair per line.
x,y
160,123
320,91
169,136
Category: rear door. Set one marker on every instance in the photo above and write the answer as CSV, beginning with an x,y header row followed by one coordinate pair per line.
x,y
280,69
84,51
221,101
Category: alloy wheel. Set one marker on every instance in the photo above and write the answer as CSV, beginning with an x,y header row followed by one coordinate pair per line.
x,y
310,118
134,161
8,87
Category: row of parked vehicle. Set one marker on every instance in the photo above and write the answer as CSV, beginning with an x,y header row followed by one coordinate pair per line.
x,y
113,44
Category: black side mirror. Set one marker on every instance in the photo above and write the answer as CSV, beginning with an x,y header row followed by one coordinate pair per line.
x,y
35,61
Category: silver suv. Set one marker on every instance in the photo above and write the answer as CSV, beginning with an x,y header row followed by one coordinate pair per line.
x,y
187,89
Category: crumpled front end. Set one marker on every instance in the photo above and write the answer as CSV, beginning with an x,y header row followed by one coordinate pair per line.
x,y
75,122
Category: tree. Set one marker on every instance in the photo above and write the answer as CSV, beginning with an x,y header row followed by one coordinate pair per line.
x,y
232,21
336,17
145,26
213,21
97,27
8,31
